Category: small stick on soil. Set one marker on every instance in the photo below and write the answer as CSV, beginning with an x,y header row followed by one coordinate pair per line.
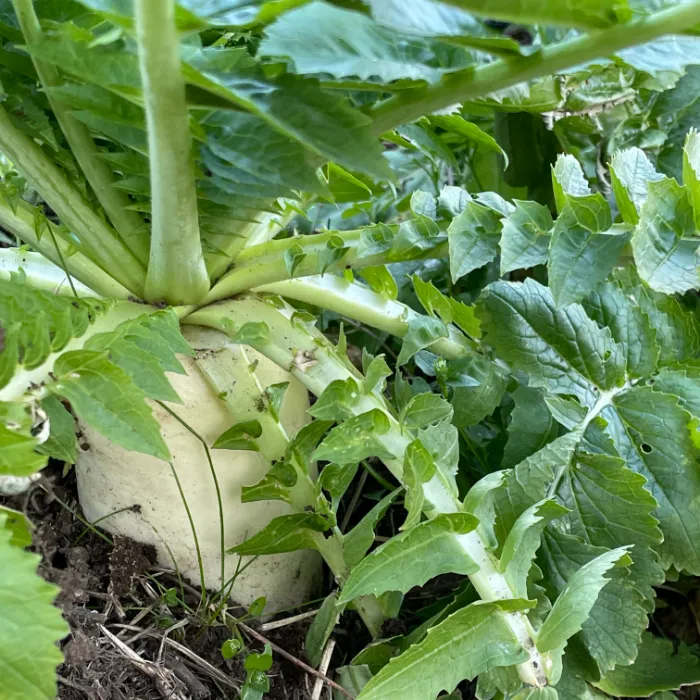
x,y
311,671
276,624
323,668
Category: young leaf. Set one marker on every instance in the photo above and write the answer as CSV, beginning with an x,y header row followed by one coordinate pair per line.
x,y
584,249
473,239
422,332
663,244
475,639
241,436
357,542
356,439
413,557
523,542
425,409
571,608
525,237
473,403
61,442
321,629
630,175
568,180
286,533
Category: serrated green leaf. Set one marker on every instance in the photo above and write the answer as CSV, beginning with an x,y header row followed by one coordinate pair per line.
x,y
571,608
356,439
525,236
375,375
657,667
584,249
61,442
286,533
473,239
630,175
475,639
568,180
418,468
523,541
425,409
531,426
337,401
562,350
422,332
413,557
473,403
319,39
449,309
663,244
104,396
480,501
30,626
610,307
357,542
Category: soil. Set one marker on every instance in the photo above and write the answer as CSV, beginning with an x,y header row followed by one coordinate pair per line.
x,y
110,591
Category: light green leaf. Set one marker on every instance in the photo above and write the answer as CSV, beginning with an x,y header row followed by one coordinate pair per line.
x,y
30,626
61,442
449,309
356,439
422,332
473,403
663,244
657,667
583,253
630,174
418,468
18,525
381,281
104,396
286,533
241,436
562,350
474,639
357,542
425,409
454,124
531,426
321,629
337,401
568,180
320,39
523,541
473,239
413,557
480,501
17,453
525,237
571,608
691,171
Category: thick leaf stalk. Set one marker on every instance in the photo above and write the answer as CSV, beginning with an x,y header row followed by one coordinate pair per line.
x,y
176,269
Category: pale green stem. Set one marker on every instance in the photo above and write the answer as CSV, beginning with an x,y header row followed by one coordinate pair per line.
x,y
354,301
408,105
176,269
21,222
39,273
313,360
265,263
129,224
97,240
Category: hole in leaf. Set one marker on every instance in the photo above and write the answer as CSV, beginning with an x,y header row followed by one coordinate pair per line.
x,y
646,448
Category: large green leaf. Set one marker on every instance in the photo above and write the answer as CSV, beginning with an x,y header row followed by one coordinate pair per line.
x,y
30,626
323,40
562,350
413,557
469,642
630,173
473,238
526,235
657,667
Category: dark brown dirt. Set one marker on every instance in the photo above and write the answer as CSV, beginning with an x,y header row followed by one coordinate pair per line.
x,y
106,585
